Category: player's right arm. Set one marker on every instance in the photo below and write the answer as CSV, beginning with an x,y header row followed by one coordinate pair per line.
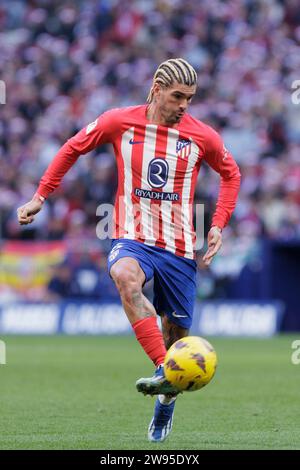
x,y
103,130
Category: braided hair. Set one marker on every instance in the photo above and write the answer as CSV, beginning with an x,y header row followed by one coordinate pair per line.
x,y
173,70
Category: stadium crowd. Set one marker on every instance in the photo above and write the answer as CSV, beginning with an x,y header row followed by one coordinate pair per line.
x,y
64,63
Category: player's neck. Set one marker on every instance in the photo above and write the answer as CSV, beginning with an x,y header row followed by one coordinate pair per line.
x,y
155,117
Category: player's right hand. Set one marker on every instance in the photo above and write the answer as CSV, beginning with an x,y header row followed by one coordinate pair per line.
x,y
214,241
27,212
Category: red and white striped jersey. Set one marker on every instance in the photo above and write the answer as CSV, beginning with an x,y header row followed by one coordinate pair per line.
x,y
157,172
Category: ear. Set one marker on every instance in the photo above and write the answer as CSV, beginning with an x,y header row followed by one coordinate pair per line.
x,y
156,90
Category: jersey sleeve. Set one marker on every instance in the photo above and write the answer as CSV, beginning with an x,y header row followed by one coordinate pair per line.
x,y
221,160
103,130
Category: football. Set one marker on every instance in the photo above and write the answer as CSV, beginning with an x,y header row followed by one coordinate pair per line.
x,y
190,363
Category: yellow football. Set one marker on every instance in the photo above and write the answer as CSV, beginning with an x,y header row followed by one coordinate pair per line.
x,y
190,363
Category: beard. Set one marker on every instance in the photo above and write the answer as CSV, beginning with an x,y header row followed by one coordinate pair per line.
x,y
171,117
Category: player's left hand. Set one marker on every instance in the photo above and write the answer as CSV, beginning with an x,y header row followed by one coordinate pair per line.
x,y
214,241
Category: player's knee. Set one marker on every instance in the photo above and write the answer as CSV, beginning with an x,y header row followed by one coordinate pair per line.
x,y
126,280
129,288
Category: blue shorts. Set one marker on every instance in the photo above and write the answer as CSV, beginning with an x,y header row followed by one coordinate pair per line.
x,y
174,278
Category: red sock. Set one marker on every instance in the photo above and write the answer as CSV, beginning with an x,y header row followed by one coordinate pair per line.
x,y
151,339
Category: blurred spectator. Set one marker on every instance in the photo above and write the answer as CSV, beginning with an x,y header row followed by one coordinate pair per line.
x,y
83,280
206,283
86,281
60,284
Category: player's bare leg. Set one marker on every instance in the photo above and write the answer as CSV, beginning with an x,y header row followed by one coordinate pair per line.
x,y
171,331
129,279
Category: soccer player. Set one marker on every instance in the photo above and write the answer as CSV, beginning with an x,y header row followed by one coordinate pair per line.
x,y
159,148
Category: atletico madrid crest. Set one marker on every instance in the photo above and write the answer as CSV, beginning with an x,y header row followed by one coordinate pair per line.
x,y
183,148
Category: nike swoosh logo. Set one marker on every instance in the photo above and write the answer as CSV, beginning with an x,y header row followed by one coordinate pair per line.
x,y
178,316
132,142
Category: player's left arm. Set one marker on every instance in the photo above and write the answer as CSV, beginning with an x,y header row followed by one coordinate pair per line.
x,y
221,160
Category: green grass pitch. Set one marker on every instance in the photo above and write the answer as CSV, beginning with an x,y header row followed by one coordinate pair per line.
x,y
79,393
